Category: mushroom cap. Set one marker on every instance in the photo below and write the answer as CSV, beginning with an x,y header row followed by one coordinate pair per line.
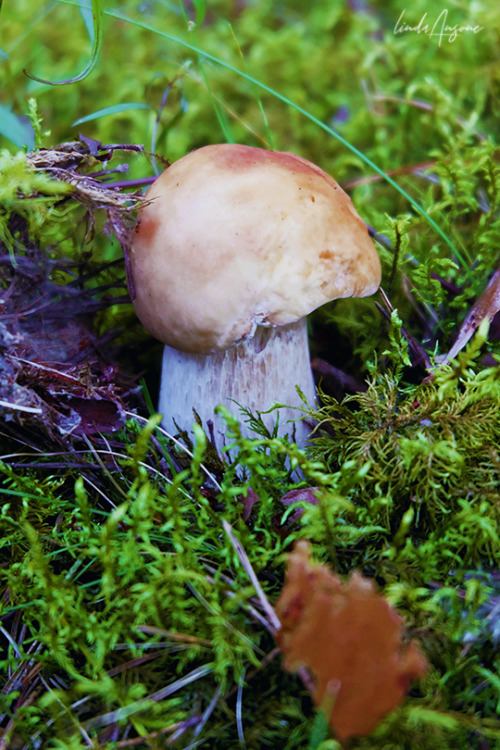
x,y
231,237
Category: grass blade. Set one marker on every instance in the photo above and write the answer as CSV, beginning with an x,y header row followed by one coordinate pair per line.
x,y
113,110
15,130
97,19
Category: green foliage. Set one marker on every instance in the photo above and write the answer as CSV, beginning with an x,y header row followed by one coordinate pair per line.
x,y
467,199
431,287
134,597
29,196
433,463
36,123
97,590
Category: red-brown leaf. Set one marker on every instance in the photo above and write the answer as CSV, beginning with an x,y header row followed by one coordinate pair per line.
x,y
350,639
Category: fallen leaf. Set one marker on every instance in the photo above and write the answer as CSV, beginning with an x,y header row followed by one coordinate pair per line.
x,y
248,500
305,495
350,639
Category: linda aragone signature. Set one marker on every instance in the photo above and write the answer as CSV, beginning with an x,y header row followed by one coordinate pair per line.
x,y
440,28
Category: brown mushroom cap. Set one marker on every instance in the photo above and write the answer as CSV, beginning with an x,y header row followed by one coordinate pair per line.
x,y
233,236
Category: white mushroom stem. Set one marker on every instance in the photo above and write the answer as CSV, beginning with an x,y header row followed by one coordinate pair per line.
x,y
260,372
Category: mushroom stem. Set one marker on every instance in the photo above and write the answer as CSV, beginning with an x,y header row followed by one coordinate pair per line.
x,y
256,374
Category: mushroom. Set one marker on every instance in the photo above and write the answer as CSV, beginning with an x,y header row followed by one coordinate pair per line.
x,y
233,247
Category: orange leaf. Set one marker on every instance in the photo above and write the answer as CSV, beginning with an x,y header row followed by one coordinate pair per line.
x,y
350,639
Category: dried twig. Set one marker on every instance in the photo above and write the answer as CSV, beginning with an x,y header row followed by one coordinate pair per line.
x,y
485,308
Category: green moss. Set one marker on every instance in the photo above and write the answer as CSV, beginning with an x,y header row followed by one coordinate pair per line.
x,y
31,199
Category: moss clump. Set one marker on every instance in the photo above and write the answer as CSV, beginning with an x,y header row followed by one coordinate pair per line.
x,y
431,452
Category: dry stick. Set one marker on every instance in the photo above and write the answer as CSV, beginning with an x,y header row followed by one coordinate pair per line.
x,y
242,555
273,618
485,308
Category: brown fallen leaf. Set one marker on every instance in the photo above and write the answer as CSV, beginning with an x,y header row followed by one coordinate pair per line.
x,y
305,495
350,639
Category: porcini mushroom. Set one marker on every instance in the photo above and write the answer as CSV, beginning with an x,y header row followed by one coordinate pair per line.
x,y
233,247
